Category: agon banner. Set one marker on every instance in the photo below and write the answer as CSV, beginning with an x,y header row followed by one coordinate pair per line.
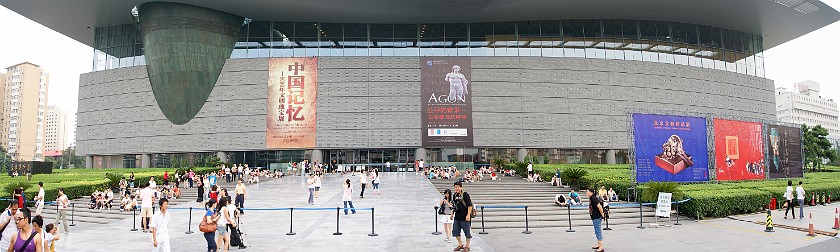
x,y
446,101
739,150
670,148
785,151
292,93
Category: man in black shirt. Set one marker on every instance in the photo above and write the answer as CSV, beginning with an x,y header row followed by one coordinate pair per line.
x,y
461,217
596,213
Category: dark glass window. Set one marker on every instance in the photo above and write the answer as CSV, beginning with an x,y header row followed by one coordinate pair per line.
x,y
481,31
551,29
612,28
592,28
630,29
647,29
573,28
663,32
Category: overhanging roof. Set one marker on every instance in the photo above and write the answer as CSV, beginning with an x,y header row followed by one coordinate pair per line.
x,y
778,21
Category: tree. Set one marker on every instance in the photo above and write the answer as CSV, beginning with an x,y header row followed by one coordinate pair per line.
x,y
817,147
5,159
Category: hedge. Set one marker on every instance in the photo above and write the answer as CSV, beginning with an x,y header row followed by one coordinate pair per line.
x,y
722,203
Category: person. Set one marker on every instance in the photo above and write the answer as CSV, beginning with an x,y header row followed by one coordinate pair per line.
x,y
457,85
123,185
560,200
109,199
603,194
388,166
165,177
363,181
63,203
131,180
375,182
147,196
317,183
39,199
789,200
800,198
176,192
37,225
612,195
347,197
19,196
223,220
422,166
26,239
210,206
152,184
211,180
530,169
227,174
596,212
214,193
574,198
446,206
7,223
493,175
461,217
310,183
557,178
240,195
50,236
160,227
191,178
200,185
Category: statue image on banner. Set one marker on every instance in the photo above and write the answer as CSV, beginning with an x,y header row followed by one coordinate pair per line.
x,y
457,85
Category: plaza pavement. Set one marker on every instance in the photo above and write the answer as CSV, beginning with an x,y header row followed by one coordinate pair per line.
x,y
405,220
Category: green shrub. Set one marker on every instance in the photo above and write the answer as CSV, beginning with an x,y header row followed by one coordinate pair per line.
x,y
575,177
722,203
651,191
113,179
10,187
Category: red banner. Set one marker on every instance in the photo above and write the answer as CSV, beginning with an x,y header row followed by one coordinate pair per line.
x,y
739,150
292,93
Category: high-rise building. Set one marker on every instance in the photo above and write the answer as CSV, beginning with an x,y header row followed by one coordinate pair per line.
x,y
58,127
804,105
23,99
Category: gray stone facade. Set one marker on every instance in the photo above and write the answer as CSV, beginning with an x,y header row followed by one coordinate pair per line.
x,y
374,102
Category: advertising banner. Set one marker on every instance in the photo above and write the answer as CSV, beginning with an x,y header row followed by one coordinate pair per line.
x,y
292,93
739,150
446,101
670,148
785,151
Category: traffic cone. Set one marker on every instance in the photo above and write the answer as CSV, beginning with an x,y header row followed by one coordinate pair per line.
x,y
829,199
811,225
813,199
769,227
836,219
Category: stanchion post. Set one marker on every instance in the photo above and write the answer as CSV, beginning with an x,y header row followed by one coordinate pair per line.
x,y
569,214
482,222
606,218
641,219
337,210
527,231
678,214
189,223
372,218
72,214
134,218
436,222
291,221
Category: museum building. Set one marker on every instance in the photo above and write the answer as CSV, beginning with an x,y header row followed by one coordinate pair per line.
x,y
370,82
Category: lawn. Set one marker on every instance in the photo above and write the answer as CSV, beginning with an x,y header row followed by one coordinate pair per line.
x,y
80,182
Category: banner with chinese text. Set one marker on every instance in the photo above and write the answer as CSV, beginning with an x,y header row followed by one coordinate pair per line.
x,y
446,101
670,148
739,150
785,151
292,93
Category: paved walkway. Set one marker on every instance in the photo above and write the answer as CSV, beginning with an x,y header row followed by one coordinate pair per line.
x,y
405,220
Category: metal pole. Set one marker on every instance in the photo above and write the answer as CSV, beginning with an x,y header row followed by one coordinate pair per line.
x,y
73,214
569,213
606,218
641,221
678,214
189,223
337,221
291,221
436,221
482,222
526,222
134,218
372,230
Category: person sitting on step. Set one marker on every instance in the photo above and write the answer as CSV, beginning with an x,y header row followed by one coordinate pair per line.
x,y
561,200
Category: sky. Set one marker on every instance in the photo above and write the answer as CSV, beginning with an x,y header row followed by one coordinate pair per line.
x,y
810,57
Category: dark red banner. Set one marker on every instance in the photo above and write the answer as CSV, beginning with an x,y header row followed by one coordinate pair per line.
x,y
739,150
446,101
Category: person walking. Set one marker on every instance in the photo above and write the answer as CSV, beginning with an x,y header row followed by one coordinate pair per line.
x,y
240,195
160,227
63,203
348,197
223,219
789,200
318,177
375,180
210,206
800,198
445,208
363,181
596,213
310,183
200,185
530,169
461,217
190,178
8,224
147,195
33,241
39,199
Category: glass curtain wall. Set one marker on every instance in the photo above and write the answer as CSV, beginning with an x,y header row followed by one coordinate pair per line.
x,y
637,40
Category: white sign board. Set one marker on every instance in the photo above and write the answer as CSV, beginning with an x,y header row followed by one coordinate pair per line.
x,y
663,205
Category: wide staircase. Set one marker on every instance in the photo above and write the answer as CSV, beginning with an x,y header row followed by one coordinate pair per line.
x,y
539,197
82,214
